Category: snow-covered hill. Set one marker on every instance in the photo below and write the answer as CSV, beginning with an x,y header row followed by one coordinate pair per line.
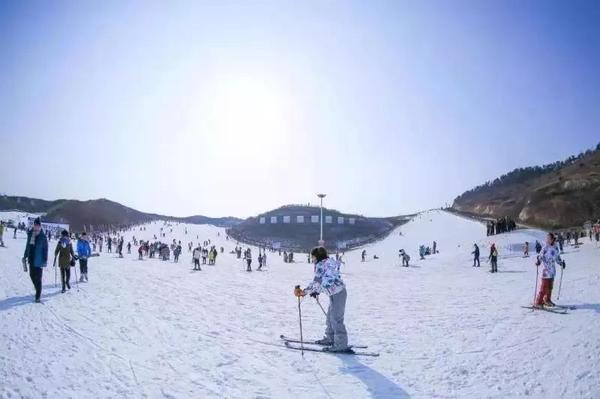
x,y
444,329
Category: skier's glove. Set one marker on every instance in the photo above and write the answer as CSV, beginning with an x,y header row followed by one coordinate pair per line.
x,y
314,295
299,291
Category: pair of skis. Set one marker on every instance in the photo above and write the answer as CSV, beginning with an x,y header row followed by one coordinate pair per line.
x,y
551,309
314,346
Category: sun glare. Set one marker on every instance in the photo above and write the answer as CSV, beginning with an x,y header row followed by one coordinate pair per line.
x,y
249,114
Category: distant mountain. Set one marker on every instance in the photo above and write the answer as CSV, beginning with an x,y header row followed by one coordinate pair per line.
x,y
293,228
226,221
98,213
562,194
26,204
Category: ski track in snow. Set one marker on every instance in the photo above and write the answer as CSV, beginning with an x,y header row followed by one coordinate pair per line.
x,y
150,329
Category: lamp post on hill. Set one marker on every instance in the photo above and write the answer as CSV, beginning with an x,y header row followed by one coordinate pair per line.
x,y
321,242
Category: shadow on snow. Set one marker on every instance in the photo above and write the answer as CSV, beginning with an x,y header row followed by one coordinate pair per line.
x,y
378,385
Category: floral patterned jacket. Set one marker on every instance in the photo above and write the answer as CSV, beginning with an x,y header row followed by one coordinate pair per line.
x,y
327,278
549,257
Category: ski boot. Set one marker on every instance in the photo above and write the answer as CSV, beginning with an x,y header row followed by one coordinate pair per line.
x,y
331,349
324,342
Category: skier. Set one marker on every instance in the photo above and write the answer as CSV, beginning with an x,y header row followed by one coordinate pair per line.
x,y
476,256
248,258
363,255
196,257
176,253
83,253
327,279
1,234
211,257
66,257
36,254
526,249
15,233
548,257
109,244
128,247
434,247
260,261
120,247
561,242
422,252
494,258
405,258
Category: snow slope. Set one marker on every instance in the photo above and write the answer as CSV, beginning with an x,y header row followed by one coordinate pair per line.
x,y
444,329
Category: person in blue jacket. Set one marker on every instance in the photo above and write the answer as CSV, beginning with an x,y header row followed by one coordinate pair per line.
x,y
36,255
83,253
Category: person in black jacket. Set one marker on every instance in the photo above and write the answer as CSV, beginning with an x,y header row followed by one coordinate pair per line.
x,y
476,256
36,254
494,258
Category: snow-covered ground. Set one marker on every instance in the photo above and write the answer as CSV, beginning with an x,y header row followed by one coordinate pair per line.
x,y
444,329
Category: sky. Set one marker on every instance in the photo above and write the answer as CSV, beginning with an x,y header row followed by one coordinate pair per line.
x,y
235,108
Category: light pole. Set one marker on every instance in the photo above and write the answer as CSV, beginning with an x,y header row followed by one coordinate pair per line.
x,y
321,242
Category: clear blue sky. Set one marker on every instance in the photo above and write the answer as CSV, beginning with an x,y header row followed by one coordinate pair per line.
x,y
234,108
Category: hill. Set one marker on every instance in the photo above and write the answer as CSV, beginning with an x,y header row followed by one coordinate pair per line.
x,y
297,227
99,213
558,195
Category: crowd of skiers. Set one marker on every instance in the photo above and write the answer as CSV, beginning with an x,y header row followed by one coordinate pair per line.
x,y
500,225
262,258
67,254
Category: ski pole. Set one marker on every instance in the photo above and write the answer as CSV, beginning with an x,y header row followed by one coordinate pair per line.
x,y
562,270
321,306
76,279
537,274
300,319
